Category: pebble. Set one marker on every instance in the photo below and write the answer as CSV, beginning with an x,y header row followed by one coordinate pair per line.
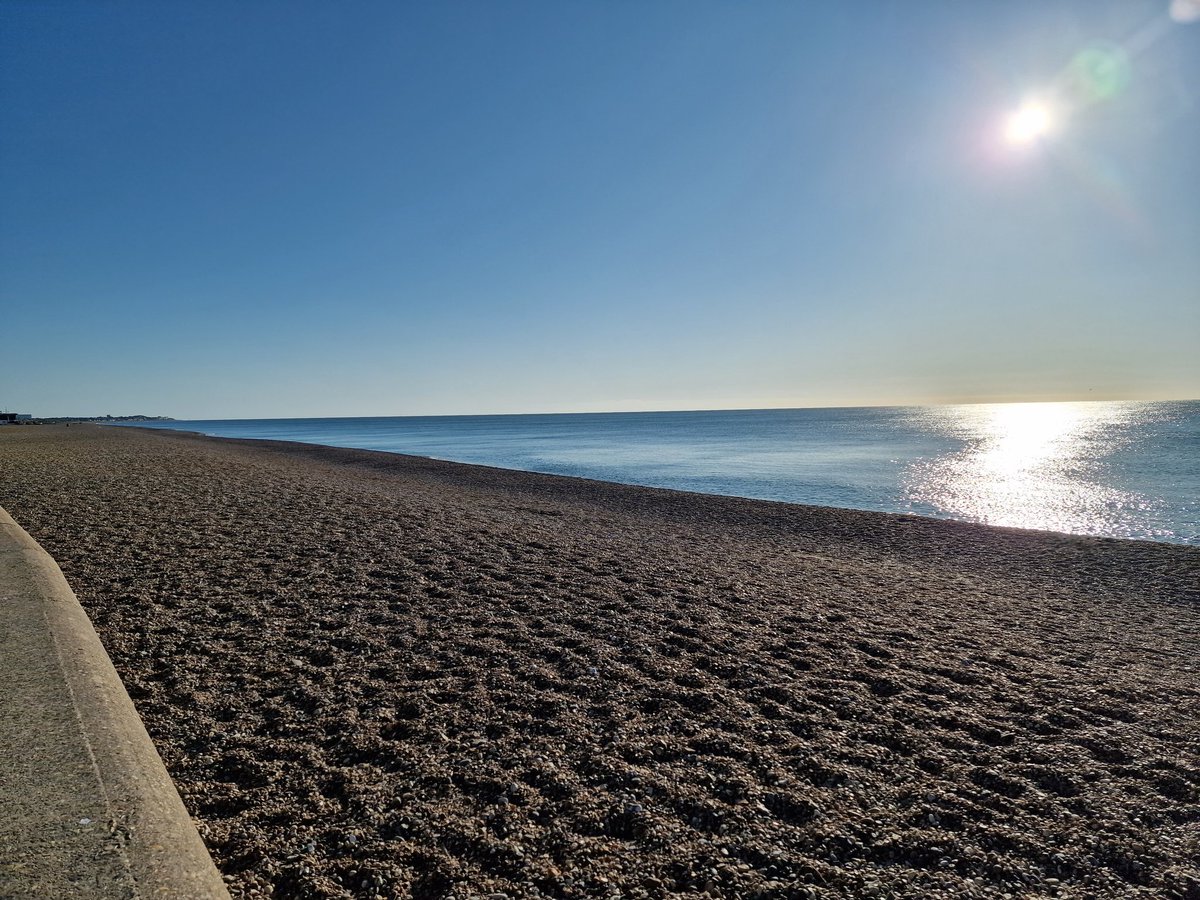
x,y
437,805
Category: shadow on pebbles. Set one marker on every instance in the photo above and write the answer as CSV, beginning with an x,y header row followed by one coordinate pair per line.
x,y
382,676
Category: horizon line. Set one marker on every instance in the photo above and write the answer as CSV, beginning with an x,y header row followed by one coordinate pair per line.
x,y
600,412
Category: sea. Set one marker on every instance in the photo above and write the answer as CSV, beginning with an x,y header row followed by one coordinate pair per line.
x,y
1117,469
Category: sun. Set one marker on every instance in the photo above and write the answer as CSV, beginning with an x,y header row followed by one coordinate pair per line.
x,y
1028,124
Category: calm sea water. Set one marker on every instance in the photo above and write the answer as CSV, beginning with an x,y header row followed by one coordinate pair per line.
x,y
1128,470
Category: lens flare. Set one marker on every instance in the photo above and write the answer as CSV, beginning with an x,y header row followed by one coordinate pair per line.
x,y
1185,11
1098,72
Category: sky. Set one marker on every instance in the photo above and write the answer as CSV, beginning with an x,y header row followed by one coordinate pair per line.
x,y
227,209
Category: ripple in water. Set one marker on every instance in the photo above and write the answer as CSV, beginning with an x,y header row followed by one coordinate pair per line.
x,y
1051,466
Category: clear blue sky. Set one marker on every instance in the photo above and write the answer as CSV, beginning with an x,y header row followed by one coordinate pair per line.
x,y
230,209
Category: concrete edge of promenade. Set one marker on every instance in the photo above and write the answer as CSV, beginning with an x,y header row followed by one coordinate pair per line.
x,y
87,808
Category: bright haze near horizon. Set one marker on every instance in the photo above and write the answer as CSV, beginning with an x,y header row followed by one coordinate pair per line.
x,y
219,210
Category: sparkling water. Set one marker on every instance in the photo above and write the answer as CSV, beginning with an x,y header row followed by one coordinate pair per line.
x,y
1120,469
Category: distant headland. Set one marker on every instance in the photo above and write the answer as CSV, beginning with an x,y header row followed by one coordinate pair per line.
x,y
59,420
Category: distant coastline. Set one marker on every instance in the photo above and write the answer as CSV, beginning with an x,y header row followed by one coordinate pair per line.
x,y
63,420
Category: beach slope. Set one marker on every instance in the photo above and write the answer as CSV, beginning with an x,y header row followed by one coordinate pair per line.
x,y
375,675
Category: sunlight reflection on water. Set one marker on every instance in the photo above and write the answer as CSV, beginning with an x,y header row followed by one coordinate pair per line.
x,y
1122,469
1032,465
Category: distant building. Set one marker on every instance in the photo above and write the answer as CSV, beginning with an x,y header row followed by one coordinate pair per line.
x,y
14,417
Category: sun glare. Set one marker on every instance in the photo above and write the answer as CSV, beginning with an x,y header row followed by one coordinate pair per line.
x,y
1030,465
1028,124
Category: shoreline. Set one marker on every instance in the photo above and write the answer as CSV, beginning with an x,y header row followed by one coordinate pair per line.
x,y
268,443
377,675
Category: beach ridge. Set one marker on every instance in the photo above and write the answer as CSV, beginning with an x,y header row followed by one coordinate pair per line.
x,y
381,676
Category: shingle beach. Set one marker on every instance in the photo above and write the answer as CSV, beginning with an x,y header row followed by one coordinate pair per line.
x,y
373,675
